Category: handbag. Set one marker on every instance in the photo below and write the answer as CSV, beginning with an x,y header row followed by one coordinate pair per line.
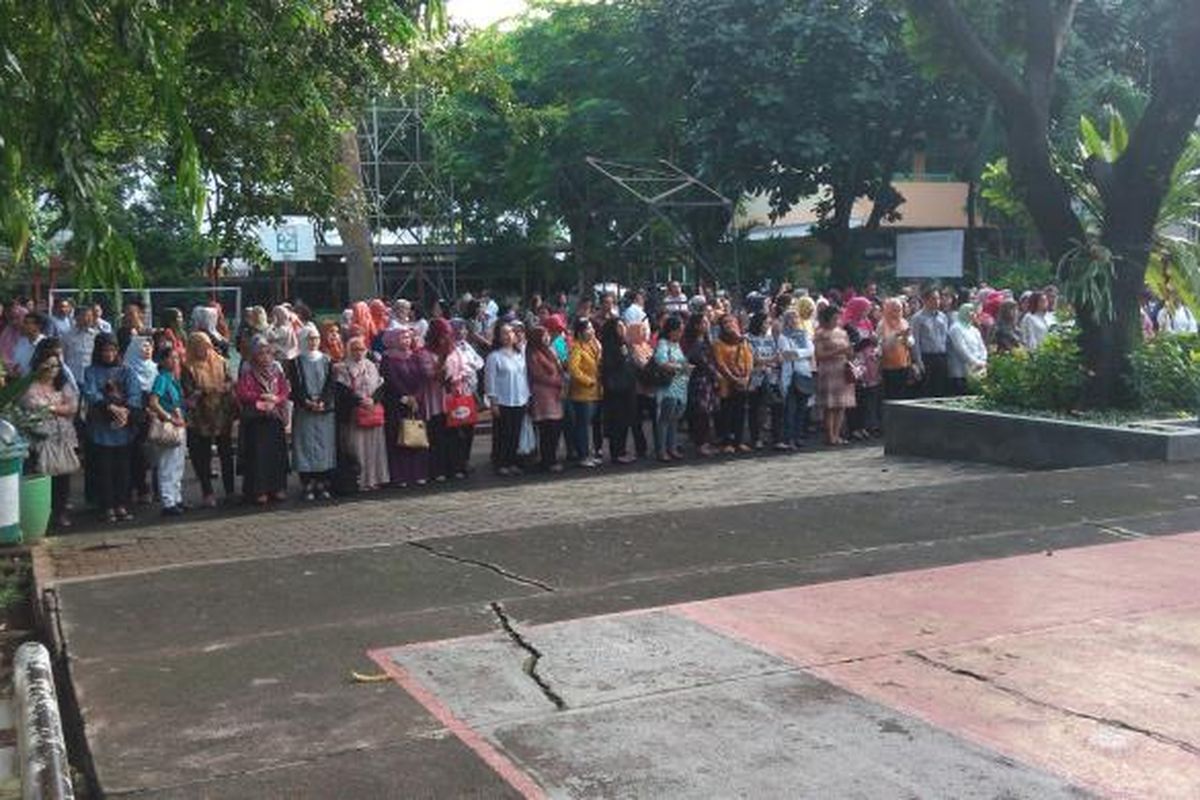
x,y
804,384
412,434
461,410
165,434
369,416
854,372
527,445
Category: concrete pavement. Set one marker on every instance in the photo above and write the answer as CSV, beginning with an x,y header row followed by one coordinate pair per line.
x,y
205,674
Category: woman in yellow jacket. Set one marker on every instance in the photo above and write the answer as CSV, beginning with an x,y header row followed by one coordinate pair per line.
x,y
583,394
734,360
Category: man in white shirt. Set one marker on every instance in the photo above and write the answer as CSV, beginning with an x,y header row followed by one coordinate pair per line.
x,y
676,302
31,334
79,341
635,312
61,320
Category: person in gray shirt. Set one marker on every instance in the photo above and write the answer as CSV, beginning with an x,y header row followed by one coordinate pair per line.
x,y
931,331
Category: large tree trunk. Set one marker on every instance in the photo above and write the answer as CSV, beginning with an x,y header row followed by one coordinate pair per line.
x,y
351,219
838,234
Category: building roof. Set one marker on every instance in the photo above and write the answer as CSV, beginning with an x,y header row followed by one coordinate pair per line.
x,y
927,204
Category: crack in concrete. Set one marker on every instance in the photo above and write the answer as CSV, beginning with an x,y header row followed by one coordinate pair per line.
x,y
530,667
1111,722
1119,532
474,562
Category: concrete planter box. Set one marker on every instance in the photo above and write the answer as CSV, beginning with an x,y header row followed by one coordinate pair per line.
x,y
938,429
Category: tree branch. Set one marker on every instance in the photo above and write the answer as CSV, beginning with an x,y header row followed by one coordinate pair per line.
x,y
959,34
1062,26
1161,134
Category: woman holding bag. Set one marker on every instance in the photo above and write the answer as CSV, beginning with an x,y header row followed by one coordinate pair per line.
x,y
461,372
262,393
168,432
361,432
53,453
407,376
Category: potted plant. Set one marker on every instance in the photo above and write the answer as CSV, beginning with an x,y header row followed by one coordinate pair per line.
x,y
34,490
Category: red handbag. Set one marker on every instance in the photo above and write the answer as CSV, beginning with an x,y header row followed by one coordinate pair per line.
x,y
369,417
461,410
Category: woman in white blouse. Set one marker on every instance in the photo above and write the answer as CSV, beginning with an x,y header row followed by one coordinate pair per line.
x,y
506,383
1035,325
967,353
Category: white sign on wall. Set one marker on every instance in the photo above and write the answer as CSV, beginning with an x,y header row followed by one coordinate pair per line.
x,y
292,240
930,255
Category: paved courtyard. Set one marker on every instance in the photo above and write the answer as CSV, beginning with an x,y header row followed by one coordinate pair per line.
x,y
818,625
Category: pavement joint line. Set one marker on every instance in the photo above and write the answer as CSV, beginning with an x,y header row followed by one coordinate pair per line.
x,y
530,667
474,562
1111,722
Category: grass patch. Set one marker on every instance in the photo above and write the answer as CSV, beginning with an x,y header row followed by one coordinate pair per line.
x,y
1111,418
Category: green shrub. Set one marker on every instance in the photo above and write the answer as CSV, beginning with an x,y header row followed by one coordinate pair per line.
x,y
1166,374
1050,378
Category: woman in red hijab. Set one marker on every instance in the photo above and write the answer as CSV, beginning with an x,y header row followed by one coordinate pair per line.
x,y
857,314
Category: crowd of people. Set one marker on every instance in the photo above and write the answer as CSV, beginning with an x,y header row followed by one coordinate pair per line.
x,y
386,394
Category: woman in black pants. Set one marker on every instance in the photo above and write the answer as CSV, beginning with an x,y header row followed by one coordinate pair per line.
x,y
618,376
506,382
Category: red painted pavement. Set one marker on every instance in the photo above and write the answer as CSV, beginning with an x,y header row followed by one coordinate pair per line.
x,y
1085,662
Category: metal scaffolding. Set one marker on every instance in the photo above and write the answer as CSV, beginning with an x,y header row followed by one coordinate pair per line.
x,y
410,205
665,191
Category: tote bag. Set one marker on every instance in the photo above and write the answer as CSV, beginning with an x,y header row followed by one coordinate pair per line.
x,y
461,411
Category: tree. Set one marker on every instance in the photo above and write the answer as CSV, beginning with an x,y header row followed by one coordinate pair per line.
x,y
246,97
517,113
791,98
1015,49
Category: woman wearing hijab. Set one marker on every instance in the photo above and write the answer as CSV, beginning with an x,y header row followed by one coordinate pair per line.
x,y
139,357
380,317
966,351
165,401
637,336
734,361
206,319
331,342
362,440
407,374
281,333
314,425
856,318
53,451
114,397
896,343
506,382
209,398
254,323
262,393
546,387
462,370
438,349
835,388
618,378
362,323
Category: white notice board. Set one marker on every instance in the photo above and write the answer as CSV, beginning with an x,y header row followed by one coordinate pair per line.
x,y
929,255
293,240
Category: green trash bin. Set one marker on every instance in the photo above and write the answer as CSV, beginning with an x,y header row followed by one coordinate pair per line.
x,y
35,507
13,451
